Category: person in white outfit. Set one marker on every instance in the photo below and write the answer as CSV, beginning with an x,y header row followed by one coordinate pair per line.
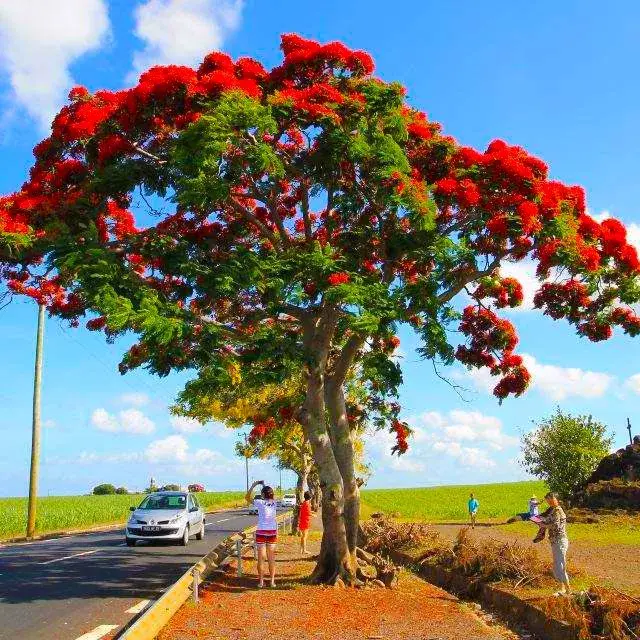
x,y
266,531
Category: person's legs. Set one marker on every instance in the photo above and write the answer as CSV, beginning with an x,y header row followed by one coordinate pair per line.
x,y
473,520
271,555
261,558
559,551
303,540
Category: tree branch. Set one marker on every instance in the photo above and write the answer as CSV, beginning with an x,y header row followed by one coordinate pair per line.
x,y
304,205
247,215
345,360
273,209
459,286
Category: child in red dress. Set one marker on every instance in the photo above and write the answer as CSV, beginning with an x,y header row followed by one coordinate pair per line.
x,y
304,521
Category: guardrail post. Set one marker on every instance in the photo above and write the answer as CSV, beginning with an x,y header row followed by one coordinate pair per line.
x,y
239,554
196,583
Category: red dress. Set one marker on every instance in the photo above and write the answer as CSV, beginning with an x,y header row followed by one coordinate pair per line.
x,y
304,519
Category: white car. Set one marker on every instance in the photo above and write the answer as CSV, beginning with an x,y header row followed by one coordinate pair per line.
x,y
288,500
166,515
253,510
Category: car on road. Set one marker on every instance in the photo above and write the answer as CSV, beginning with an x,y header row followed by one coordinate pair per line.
x,y
253,510
166,515
288,500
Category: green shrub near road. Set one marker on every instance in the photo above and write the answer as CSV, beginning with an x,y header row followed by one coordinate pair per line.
x,y
63,513
449,503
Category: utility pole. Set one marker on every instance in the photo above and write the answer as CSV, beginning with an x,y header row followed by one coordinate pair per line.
x,y
246,460
35,428
629,430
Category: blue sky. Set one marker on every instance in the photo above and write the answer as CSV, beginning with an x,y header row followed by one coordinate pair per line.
x,y
557,78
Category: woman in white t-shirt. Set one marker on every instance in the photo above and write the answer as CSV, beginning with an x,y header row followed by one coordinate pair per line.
x,y
267,530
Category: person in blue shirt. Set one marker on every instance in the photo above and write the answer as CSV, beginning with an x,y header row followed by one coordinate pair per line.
x,y
473,510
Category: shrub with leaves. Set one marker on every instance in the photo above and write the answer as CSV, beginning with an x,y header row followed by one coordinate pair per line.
x,y
564,450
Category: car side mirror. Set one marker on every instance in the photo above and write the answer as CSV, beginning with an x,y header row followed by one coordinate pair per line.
x,y
193,509
132,508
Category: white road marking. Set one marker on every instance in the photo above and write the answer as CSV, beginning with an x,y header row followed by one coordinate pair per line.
x,y
139,607
122,544
75,555
98,632
225,519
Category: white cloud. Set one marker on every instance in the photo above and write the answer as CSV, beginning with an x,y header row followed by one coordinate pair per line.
x,y
525,273
633,235
135,399
599,217
406,464
127,421
49,423
182,31
465,456
459,425
90,458
185,425
171,449
633,383
40,40
559,383
552,381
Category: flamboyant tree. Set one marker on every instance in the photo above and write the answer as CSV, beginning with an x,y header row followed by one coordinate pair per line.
x,y
296,217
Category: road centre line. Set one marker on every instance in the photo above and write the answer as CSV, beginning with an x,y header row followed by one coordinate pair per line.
x,y
98,632
137,608
75,555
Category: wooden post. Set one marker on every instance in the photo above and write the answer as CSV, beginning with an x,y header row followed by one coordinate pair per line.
x,y
629,430
35,428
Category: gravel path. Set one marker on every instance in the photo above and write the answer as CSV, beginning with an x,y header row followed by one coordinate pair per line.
x,y
233,608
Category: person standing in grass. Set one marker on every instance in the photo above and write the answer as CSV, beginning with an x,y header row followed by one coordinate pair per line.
x,y
554,521
473,506
266,531
304,521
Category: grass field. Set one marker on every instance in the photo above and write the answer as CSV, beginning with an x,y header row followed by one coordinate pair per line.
x,y
449,503
64,513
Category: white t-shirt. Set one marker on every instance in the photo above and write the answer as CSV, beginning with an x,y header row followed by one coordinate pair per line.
x,y
266,514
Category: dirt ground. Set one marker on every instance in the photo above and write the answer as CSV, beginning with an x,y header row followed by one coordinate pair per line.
x,y
612,565
233,608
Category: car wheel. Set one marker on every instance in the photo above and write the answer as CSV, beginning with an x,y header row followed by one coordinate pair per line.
x,y
185,537
130,542
200,534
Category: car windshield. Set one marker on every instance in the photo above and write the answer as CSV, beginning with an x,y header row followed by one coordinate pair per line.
x,y
164,502
288,495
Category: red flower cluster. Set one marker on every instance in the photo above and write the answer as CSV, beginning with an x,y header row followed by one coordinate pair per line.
x,y
307,57
338,278
261,428
507,292
492,341
401,431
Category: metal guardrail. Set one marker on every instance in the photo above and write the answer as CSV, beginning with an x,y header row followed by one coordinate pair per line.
x,y
149,624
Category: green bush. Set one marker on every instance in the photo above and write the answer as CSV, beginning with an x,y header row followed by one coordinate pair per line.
x,y
104,490
564,451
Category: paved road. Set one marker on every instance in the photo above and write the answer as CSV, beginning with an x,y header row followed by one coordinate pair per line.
x,y
63,588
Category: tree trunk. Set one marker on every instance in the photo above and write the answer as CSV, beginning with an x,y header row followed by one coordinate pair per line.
x,y
314,488
334,560
345,458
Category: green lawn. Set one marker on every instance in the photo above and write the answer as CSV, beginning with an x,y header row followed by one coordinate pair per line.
x,y
449,503
63,513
